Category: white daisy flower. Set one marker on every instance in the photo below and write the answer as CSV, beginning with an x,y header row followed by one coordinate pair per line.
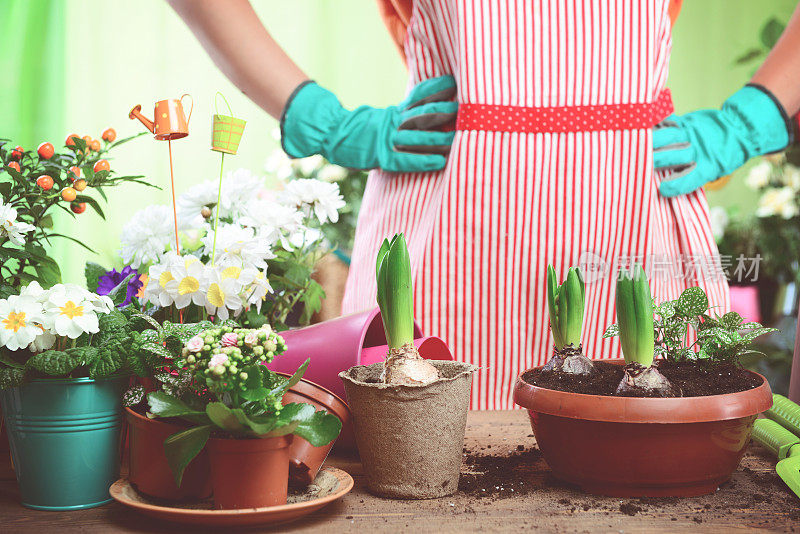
x,y
779,201
759,175
188,283
256,291
21,320
314,196
147,235
11,227
155,290
238,246
70,311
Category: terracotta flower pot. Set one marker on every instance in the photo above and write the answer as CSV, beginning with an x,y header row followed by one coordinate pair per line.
x,y
410,438
249,473
149,470
642,447
305,459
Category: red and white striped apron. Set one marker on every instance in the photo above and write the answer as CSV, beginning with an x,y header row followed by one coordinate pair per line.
x,y
482,231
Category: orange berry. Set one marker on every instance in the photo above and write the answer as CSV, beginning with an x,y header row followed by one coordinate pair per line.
x,y
95,145
17,153
14,165
70,141
68,194
101,165
45,182
76,173
79,185
45,151
88,139
109,135
78,207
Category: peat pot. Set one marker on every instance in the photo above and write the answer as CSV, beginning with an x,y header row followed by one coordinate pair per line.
x,y
149,471
410,438
642,447
249,473
305,460
64,436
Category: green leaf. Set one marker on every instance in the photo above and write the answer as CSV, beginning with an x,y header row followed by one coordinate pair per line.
x,y
133,396
93,203
771,32
319,429
92,272
223,417
143,322
397,295
611,331
70,238
693,301
731,320
181,448
56,362
635,317
258,424
312,301
120,291
11,377
48,272
125,140
106,363
552,307
164,405
280,390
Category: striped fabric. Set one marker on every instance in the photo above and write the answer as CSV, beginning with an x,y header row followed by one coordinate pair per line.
x,y
482,231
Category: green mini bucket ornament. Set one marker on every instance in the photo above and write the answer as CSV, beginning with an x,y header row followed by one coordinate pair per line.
x,y
227,130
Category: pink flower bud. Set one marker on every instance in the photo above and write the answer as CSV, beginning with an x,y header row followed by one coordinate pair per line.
x,y
195,344
229,340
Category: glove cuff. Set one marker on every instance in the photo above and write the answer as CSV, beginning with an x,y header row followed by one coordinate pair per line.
x,y
762,115
309,115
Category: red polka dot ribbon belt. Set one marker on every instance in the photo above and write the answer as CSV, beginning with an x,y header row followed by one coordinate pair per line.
x,y
560,119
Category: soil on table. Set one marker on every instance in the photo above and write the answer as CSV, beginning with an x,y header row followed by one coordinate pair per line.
x,y
691,379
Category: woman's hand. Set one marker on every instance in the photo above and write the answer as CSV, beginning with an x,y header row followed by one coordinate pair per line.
x,y
402,138
701,146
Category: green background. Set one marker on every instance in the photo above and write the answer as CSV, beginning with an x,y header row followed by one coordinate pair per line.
x,y
78,66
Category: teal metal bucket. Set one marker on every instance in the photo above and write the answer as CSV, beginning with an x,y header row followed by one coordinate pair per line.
x,y
64,436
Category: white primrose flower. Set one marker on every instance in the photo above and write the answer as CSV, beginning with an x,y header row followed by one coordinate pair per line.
x,y
191,203
21,321
238,246
147,235
44,341
778,201
35,292
11,227
759,175
314,196
70,311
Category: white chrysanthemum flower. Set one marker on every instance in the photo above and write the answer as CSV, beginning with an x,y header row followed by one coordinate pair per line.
x,y
779,201
314,196
238,246
791,176
308,166
147,235
188,283
224,290
759,175
70,312
719,221
271,220
11,227
21,320
193,200
332,173
239,186
279,164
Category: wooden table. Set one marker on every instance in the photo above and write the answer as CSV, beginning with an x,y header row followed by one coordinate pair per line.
x,y
754,499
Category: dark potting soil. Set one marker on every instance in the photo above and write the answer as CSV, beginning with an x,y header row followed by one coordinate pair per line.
x,y
692,379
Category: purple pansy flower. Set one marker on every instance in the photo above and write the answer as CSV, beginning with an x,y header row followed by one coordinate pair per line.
x,y
113,278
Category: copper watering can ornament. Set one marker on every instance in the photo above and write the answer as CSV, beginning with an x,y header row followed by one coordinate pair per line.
x,y
169,121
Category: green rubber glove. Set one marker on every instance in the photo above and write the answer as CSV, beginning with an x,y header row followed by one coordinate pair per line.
x,y
398,138
701,146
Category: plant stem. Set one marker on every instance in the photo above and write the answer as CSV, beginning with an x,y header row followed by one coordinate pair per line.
x,y
219,201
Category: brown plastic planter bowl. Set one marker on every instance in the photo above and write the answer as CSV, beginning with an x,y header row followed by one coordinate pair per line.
x,y
642,447
149,470
305,459
249,473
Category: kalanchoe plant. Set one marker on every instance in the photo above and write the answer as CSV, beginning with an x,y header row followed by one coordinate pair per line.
x,y
230,391
566,303
404,364
637,337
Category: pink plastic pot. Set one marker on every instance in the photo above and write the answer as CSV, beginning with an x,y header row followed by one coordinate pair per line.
x,y
339,344
744,301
